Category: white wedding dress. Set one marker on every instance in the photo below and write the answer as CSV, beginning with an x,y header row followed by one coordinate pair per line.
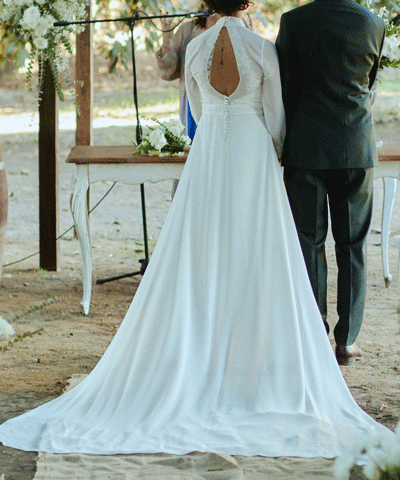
x,y
223,348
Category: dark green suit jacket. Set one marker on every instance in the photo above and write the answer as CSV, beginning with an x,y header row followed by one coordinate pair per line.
x,y
329,52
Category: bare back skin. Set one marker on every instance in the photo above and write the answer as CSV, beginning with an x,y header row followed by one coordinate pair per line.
x,y
224,76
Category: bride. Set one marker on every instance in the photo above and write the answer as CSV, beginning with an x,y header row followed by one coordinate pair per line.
x,y
223,348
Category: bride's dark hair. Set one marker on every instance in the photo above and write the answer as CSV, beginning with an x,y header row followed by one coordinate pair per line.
x,y
227,7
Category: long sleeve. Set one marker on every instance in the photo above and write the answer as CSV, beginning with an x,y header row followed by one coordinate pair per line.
x,y
171,65
274,112
374,71
192,88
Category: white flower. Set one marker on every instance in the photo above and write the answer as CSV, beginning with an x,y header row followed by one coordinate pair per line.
x,y
383,12
78,10
40,42
186,139
343,465
31,18
42,26
146,131
174,125
371,471
5,328
7,13
377,462
40,2
393,457
157,139
391,48
63,10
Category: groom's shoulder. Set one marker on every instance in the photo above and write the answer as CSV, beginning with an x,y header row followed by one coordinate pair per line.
x,y
302,10
317,8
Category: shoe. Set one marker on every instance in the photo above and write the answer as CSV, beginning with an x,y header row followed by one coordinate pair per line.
x,y
347,354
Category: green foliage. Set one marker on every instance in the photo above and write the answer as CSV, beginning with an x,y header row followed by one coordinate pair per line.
x,y
147,33
391,5
20,338
12,46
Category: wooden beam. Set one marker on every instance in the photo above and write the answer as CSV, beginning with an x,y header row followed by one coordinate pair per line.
x,y
48,173
84,84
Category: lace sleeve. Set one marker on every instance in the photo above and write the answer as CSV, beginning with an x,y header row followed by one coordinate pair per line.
x,y
274,112
192,88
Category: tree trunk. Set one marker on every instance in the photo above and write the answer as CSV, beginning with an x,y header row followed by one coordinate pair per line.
x,y
3,207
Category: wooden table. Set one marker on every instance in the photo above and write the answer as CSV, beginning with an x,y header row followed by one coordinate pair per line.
x,y
120,164
99,163
389,170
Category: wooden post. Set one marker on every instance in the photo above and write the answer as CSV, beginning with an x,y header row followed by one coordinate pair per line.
x,y
48,173
84,84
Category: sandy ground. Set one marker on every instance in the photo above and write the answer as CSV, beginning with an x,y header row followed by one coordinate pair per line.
x,y
55,340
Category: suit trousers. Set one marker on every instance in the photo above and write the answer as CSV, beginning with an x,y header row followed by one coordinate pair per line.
x,y
349,193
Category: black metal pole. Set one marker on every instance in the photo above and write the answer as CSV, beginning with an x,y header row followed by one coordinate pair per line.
x,y
135,94
203,13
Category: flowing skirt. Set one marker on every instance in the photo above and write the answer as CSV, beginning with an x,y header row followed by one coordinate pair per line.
x,y
223,348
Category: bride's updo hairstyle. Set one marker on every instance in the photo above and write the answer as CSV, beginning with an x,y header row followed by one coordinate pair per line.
x,y
227,7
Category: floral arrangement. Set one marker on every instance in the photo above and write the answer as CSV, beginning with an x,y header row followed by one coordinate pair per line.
x,y
391,48
163,138
380,457
32,23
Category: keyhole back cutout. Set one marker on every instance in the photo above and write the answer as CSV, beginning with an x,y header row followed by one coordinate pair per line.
x,y
224,76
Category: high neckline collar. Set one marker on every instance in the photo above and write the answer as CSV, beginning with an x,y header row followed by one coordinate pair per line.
x,y
230,19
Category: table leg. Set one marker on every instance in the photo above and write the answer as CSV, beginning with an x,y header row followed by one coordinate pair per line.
x,y
80,215
390,185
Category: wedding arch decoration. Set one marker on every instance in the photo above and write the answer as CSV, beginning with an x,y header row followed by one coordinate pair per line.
x,y
32,23
391,47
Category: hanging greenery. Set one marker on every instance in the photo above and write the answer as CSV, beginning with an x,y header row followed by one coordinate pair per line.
x,y
28,26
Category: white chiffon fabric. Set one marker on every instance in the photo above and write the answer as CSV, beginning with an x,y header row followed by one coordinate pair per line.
x,y
223,348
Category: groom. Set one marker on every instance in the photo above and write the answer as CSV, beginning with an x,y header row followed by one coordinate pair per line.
x,y
329,52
